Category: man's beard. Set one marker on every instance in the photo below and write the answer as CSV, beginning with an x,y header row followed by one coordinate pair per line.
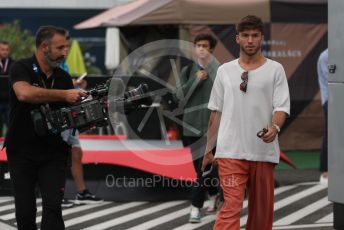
x,y
52,63
254,52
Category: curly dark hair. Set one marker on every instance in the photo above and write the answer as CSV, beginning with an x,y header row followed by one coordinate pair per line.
x,y
250,22
208,37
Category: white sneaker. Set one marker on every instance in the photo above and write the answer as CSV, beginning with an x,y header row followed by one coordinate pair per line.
x,y
323,180
212,204
195,215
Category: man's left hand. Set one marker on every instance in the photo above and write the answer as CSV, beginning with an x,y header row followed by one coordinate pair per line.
x,y
270,135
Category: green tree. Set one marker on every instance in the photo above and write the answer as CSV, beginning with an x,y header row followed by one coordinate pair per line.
x,y
21,41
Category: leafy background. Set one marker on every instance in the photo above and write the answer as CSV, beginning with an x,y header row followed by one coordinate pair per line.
x,y
22,42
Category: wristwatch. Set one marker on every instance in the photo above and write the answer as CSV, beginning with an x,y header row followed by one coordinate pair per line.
x,y
277,127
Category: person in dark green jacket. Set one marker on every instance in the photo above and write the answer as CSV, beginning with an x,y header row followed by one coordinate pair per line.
x,y
193,92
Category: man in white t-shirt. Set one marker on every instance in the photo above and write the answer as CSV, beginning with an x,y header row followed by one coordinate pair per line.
x,y
250,96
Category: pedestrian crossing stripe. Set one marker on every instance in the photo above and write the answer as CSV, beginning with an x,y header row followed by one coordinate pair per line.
x,y
304,226
293,200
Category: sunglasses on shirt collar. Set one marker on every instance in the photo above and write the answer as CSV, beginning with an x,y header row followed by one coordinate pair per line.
x,y
244,78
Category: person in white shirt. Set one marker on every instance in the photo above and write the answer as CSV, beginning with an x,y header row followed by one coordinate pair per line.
x,y
249,103
323,85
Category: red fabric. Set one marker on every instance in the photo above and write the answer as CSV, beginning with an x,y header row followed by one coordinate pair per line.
x,y
103,137
284,158
258,177
172,163
94,137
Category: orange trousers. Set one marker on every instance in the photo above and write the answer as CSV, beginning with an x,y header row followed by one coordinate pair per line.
x,y
235,177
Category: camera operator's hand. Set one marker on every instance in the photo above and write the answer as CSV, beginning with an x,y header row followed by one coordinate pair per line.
x,y
74,95
82,84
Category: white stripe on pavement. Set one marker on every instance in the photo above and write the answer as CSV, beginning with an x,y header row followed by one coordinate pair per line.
x,y
283,223
282,189
6,226
84,207
75,209
309,183
12,215
7,207
161,219
100,213
205,220
5,199
325,219
11,206
301,213
303,226
298,196
132,216
210,218
279,190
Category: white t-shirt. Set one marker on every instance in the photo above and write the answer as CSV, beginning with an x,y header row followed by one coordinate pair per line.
x,y
244,114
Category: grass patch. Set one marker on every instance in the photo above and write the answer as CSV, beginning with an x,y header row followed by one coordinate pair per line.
x,y
309,159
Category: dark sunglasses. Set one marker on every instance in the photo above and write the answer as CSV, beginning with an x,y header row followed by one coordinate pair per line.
x,y
243,85
262,132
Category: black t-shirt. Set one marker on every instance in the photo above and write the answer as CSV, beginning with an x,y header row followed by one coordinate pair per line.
x,y
21,136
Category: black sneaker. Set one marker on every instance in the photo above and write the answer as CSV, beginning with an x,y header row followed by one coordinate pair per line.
x,y
66,203
87,198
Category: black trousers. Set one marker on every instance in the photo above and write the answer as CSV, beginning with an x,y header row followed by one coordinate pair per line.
x,y
48,171
4,115
209,184
323,153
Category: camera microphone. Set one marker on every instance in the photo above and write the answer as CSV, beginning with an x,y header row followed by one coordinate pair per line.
x,y
136,93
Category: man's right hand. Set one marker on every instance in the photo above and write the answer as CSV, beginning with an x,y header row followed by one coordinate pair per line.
x,y
74,95
207,159
202,75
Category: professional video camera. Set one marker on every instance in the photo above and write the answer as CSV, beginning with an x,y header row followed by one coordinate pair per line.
x,y
92,111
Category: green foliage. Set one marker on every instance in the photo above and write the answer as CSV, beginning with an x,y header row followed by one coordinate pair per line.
x,y
91,69
90,61
21,41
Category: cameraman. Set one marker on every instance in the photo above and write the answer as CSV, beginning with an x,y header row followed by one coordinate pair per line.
x,y
34,159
